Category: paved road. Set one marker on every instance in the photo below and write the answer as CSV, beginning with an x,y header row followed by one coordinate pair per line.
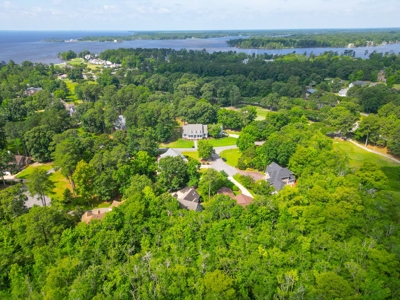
x,y
34,200
31,200
219,165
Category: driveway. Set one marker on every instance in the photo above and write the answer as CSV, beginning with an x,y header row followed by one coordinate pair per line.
x,y
35,199
219,165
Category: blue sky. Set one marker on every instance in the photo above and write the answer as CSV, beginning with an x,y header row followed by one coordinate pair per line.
x,y
196,14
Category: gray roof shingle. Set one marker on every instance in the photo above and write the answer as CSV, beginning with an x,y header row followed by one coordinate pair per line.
x,y
195,128
277,173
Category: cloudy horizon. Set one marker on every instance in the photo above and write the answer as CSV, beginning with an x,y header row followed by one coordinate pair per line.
x,y
148,15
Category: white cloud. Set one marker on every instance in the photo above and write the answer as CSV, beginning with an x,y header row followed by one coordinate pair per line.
x,y
109,7
198,14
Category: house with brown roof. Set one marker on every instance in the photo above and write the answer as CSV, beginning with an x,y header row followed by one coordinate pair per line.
x,y
99,214
240,199
226,191
243,200
21,161
94,215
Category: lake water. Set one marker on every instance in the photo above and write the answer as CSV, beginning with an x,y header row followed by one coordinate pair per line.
x,y
30,45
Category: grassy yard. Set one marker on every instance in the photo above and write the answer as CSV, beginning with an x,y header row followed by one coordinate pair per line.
x,y
93,67
357,156
261,112
194,155
76,61
60,182
226,141
232,156
28,171
71,87
180,143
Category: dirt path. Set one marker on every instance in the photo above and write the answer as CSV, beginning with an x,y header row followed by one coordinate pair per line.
x,y
255,175
373,151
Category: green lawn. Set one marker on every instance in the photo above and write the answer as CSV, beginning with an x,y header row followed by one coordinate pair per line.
x,y
93,67
28,171
60,182
261,112
194,155
357,156
225,141
76,61
103,205
180,143
71,86
232,156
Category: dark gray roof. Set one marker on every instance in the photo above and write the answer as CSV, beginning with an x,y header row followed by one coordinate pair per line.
x,y
277,173
190,194
190,205
195,128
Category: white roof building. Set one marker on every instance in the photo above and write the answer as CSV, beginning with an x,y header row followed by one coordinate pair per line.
x,y
172,153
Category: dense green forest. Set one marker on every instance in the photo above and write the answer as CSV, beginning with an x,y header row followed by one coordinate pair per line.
x,y
318,40
164,35
269,39
334,235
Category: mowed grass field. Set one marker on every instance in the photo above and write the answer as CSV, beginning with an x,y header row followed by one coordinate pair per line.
x,y
225,141
194,155
71,87
261,112
60,182
76,61
357,156
180,143
232,156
